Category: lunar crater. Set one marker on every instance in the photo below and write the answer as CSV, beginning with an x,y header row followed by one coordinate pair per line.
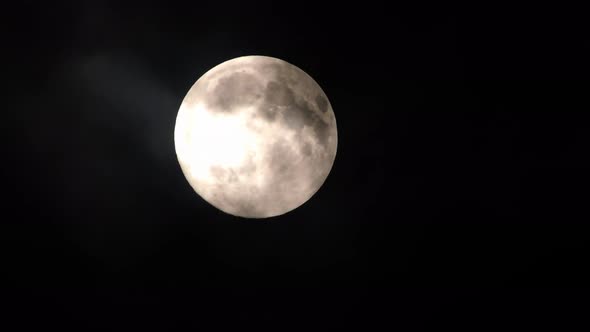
x,y
322,103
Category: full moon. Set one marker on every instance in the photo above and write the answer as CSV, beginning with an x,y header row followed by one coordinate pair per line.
x,y
256,137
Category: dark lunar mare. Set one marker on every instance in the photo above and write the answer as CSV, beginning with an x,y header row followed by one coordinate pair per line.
x,y
296,110
278,96
235,90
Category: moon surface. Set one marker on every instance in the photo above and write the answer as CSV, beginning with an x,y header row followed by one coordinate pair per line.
x,y
256,137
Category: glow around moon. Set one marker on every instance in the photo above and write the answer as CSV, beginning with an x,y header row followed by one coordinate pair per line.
x,y
256,137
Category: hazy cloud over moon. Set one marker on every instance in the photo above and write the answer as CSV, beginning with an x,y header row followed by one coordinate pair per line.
x,y
256,136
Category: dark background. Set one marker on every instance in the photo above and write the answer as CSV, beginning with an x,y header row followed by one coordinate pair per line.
x,y
458,198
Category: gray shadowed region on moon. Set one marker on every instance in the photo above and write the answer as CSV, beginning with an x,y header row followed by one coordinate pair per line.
x,y
256,137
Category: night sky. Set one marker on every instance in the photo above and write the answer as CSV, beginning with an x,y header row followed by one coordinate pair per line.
x,y
458,197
